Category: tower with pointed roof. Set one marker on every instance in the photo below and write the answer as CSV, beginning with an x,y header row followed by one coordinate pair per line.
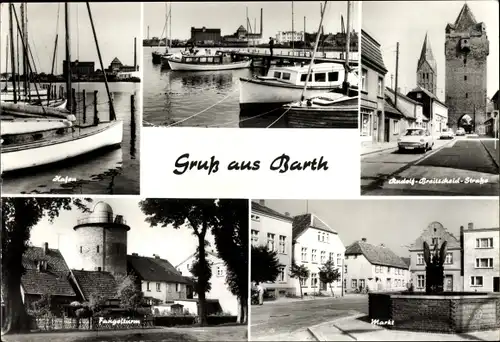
x,y
466,52
427,68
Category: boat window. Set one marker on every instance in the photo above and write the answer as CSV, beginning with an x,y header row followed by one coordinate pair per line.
x,y
203,59
303,77
188,60
277,74
321,77
210,59
286,76
333,76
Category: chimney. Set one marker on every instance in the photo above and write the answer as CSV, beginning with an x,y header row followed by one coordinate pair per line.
x,y
261,21
363,239
135,254
287,214
148,32
135,53
382,245
156,256
262,202
46,248
470,226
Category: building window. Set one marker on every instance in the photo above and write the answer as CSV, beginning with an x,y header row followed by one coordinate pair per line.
x,y
362,283
395,127
327,238
255,237
354,283
339,259
97,248
314,279
465,78
420,281
313,255
345,269
484,263
99,269
148,286
323,257
331,257
303,282
366,129
476,281
220,271
449,258
364,81
319,236
333,76
304,254
81,249
380,87
281,275
282,245
435,241
388,269
321,77
158,289
482,243
255,218
177,287
420,258
466,95
419,95
270,242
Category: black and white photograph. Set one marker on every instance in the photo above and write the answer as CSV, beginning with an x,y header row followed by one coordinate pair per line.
x,y
71,98
281,64
429,104
124,269
403,270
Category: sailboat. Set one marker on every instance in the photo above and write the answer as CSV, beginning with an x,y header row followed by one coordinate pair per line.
x,y
337,108
158,57
32,136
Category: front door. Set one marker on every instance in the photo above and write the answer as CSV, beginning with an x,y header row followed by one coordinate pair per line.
x,y
387,126
448,283
322,286
496,284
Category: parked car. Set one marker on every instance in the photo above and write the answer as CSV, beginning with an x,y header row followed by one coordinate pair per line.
x,y
460,131
416,139
447,134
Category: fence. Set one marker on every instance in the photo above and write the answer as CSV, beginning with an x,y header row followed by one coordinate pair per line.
x,y
95,323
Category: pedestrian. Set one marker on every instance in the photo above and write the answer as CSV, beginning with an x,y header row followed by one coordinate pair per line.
x,y
271,45
260,289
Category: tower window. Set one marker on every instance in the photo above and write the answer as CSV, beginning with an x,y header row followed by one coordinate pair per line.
x,y
97,248
465,78
98,269
465,61
81,249
466,95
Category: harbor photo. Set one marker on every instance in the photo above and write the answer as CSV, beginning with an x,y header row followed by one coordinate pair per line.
x,y
429,104
287,64
71,100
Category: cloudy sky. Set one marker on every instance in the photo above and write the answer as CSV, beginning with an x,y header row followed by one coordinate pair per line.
x,y
394,222
407,22
116,26
175,245
228,16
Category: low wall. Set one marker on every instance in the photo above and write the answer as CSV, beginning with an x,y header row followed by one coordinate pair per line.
x,y
450,312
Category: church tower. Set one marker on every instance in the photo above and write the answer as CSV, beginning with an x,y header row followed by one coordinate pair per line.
x,y
466,51
427,68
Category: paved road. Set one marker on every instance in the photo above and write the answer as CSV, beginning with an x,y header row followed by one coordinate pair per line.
x,y
463,166
226,333
289,321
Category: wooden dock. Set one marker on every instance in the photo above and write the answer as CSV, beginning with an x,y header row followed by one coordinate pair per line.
x,y
297,56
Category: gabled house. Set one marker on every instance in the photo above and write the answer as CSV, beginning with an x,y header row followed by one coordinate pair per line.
x,y
314,242
377,268
219,288
94,283
434,110
411,109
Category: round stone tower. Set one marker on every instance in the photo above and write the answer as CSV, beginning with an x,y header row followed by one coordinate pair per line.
x,y
102,241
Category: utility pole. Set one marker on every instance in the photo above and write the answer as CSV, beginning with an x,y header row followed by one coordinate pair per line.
x,y
304,37
397,66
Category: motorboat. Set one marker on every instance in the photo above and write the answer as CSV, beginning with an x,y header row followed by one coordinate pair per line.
x,y
221,60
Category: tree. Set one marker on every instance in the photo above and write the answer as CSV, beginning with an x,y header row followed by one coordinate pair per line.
x,y
19,215
44,306
265,264
197,269
231,240
299,272
130,294
329,273
96,303
198,214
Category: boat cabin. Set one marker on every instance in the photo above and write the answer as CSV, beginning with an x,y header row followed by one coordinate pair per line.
x,y
220,57
328,75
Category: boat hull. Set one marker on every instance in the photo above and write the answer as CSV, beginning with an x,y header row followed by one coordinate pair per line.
x,y
156,57
40,153
179,66
318,117
23,126
255,92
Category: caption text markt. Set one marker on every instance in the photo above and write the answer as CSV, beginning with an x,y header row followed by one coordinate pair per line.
x,y
281,164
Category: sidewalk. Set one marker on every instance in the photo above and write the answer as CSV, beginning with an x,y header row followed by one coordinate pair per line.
x,y
492,146
311,298
375,147
357,328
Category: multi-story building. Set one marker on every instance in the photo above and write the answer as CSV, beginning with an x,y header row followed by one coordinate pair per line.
x,y
274,230
79,69
374,267
286,37
436,234
205,35
435,111
481,268
314,242
375,127
491,123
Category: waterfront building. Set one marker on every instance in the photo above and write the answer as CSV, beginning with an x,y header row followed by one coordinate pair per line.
x,y
286,37
79,68
274,230
374,267
205,35
314,242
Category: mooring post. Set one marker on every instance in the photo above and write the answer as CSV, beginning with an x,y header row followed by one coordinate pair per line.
x,y
132,110
111,107
96,117
84,94
73,100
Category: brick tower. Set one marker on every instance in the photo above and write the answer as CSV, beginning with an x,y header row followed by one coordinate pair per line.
x,y
466,51
102,241
427,68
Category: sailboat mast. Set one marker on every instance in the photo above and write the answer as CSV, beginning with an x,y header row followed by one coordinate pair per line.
x,y
348,41
69,104
166,27
12,56
170,26
19,68
293,31
25,55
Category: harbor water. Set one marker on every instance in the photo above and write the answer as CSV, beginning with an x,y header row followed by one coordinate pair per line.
x,y
110,171
199,98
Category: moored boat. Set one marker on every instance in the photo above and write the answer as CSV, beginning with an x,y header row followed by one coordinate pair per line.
x,y
221,60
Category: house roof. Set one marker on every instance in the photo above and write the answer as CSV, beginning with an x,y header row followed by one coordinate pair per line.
x,y
465,18
376,255
265,210
494,97
116,61
207,252
154,269
53,280
302,222
407,261
426,55
95,282
428,93
392,91
427,234
390,108
370,50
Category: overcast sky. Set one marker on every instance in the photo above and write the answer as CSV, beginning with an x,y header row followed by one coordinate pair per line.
x,y
228,16
396,222
175,245
116,26
407,22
